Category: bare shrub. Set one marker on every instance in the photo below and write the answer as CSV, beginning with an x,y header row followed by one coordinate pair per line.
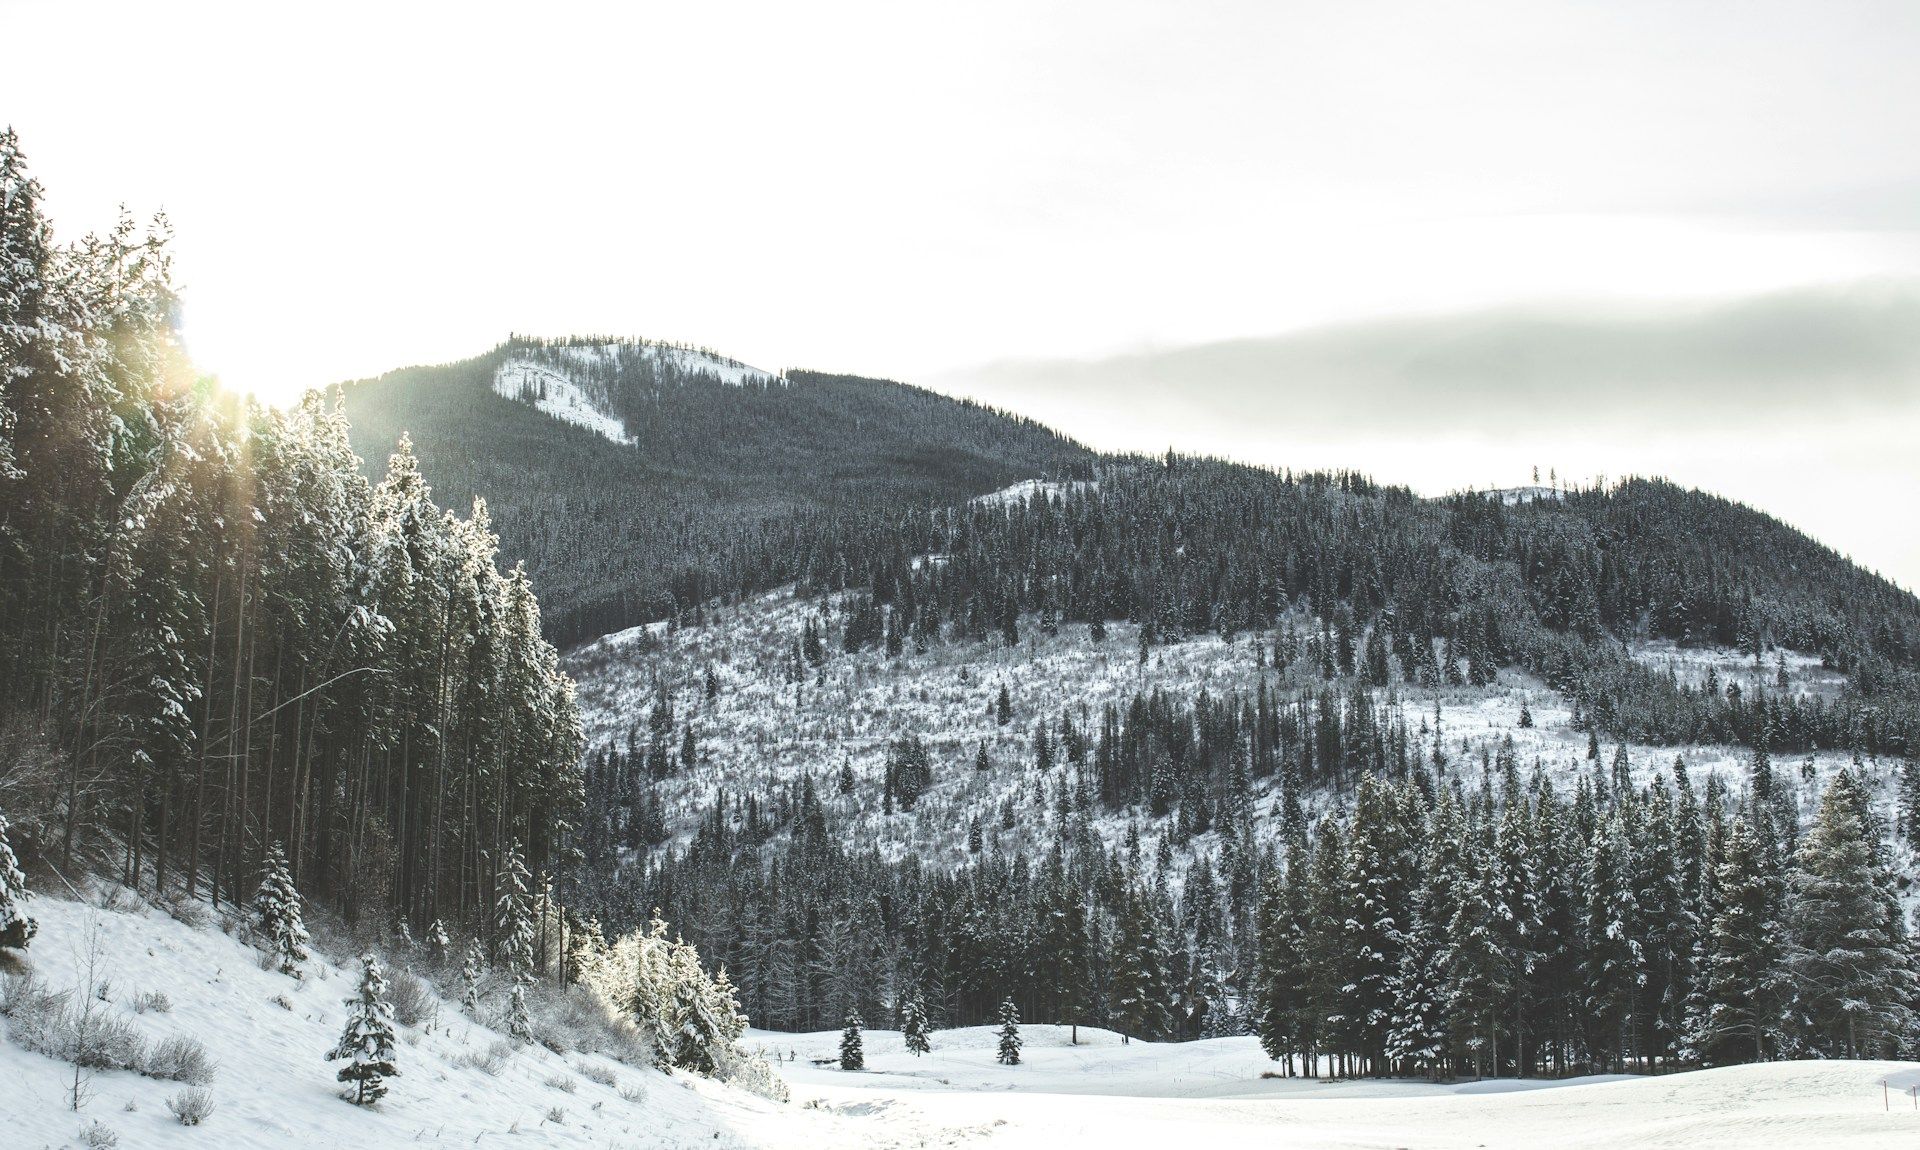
x,y
635,1094
557,1115
414,1001
180,1059
192,1106
185,911
563,1083
490,1061
97,1135
601,1074
155,1001
574,1021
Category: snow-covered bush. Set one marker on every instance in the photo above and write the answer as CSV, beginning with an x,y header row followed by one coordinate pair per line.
x,y
180,1059
97,1135
563,1083
154,1001
192,1106
689,1019
751,1072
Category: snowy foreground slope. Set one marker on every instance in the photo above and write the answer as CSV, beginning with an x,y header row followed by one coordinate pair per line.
x,y
1210,1094
274,1089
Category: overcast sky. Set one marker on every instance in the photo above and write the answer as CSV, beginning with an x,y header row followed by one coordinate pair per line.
x,y
1438,242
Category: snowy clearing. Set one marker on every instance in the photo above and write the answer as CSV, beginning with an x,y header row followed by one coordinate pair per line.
x,y
1103,1093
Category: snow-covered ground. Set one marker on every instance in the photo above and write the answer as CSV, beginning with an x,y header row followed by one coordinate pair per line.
x,y
1211,1094
273,1087
269,1033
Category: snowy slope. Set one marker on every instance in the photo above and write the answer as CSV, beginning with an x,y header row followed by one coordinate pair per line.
x,y
273,1087
1103,1093
764,726
558,396
568,381
1026,489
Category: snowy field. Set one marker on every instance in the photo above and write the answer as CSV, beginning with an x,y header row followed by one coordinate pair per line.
x,y
1210,1094
273,1087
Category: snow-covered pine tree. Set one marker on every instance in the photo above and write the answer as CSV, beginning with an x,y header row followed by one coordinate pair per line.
x,y
913,1025
16,927
1009,1034
519,1022
471,972
439,946
367,1040
1847,959
276,913
513,914
851,1055
1736,1018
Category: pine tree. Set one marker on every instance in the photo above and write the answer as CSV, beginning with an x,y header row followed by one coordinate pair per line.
x,y
513,914
276,913
17,928
1009,1034
913,1025
1737,1016
439,946
367,1041
1849,966
471,973
851,1055
519,1023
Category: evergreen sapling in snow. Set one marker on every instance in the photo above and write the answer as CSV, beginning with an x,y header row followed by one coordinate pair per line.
x,y
1009,1054
367,1041
851,1056
276,914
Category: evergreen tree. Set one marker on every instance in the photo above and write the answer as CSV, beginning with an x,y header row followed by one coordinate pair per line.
x,y
1009,1034
276,914
367,1041
519,1023
1847,958
17,928
913,1025
471,973
513,915
851,1056
1737,1016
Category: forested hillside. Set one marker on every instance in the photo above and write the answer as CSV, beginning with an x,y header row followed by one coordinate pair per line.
x,y
217,636
722,478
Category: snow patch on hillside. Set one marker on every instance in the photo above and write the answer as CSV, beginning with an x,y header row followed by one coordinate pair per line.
x,y
558,396
692,361
569,381
1023,491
